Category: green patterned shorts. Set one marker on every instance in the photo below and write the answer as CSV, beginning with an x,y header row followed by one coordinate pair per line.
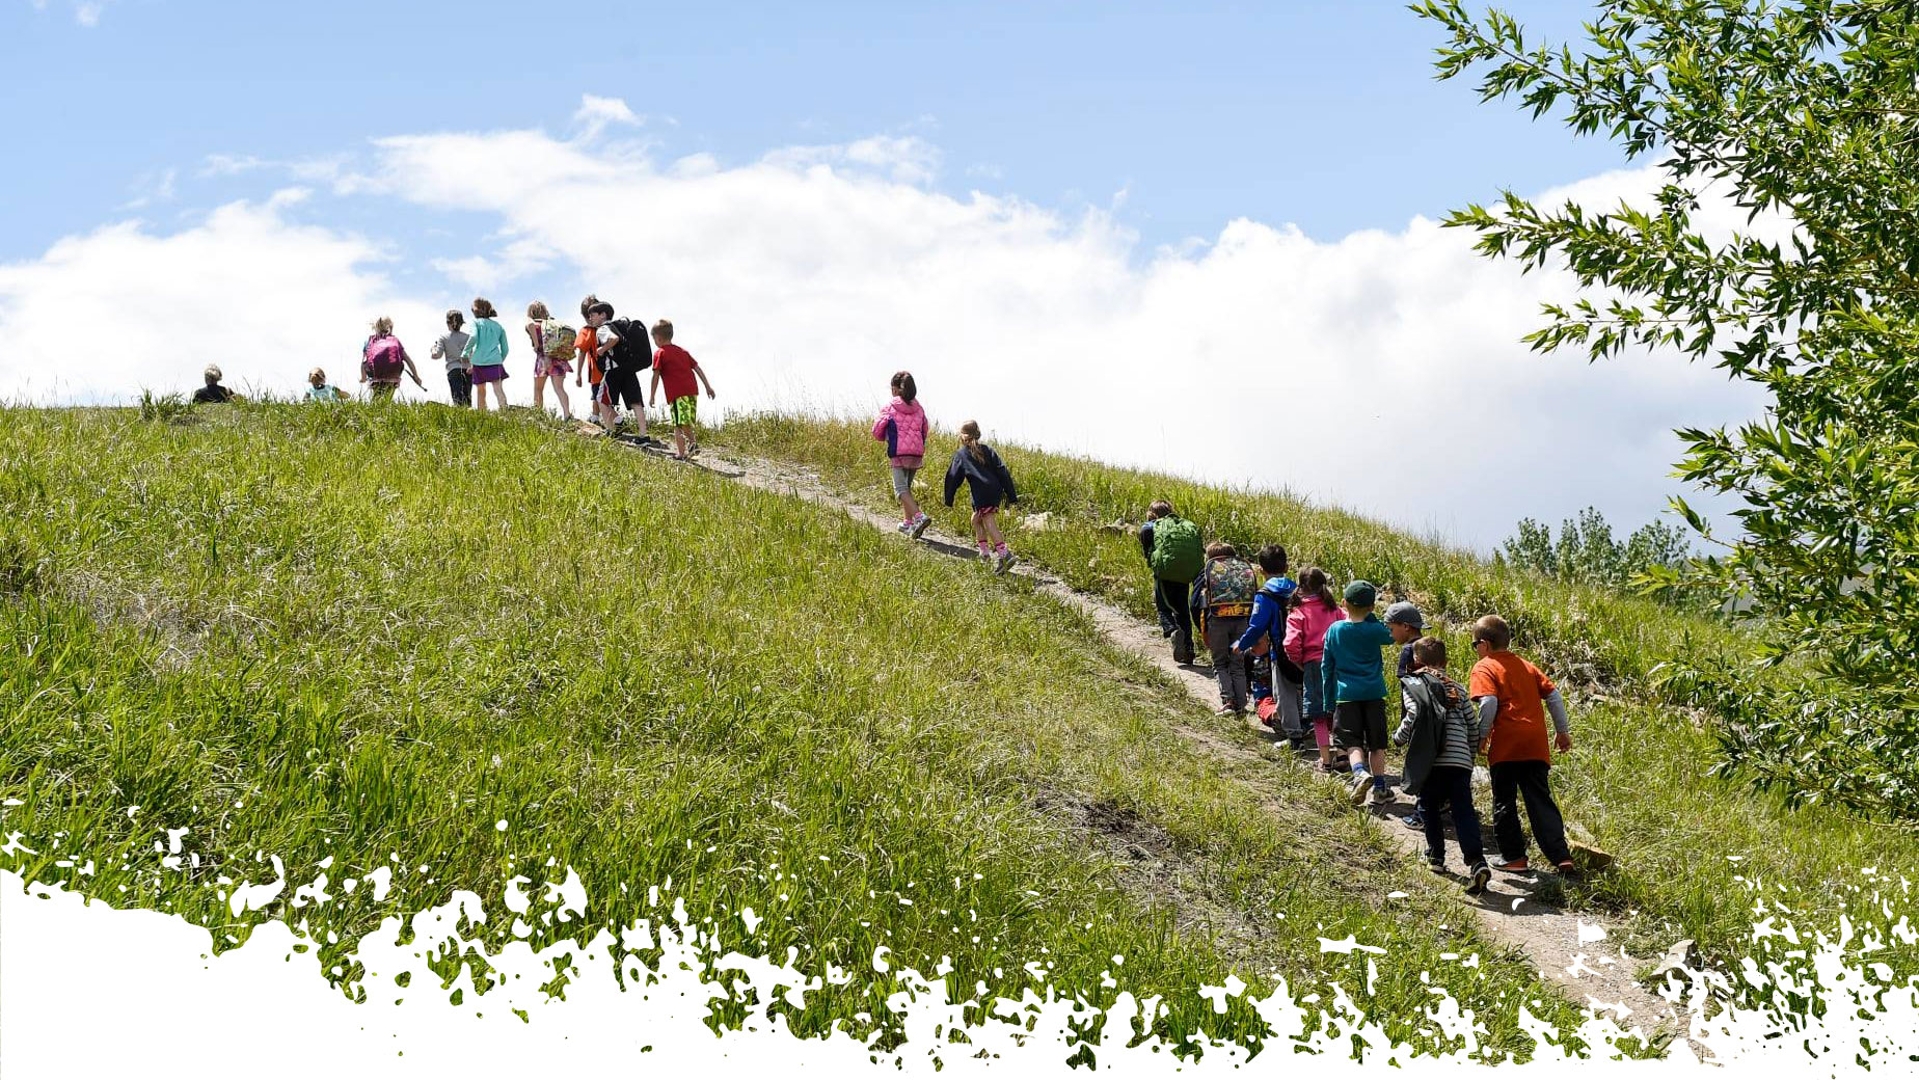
x,y
686,410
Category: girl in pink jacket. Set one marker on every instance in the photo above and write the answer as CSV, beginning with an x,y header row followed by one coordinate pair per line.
x,y
902,427
1306,626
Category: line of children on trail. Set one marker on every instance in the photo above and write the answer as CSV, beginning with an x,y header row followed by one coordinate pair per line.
x,y
610,351
1309,664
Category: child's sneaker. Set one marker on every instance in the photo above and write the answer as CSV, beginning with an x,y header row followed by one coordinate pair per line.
x,y
1566,868
1481,874
904,528
1437,866
918,526
1413,821
1004,561
1516,866
1362,787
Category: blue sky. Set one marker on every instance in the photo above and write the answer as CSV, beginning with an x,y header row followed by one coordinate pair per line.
x,y
1324,115
1132,231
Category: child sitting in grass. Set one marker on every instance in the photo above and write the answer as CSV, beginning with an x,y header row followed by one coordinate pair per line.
x,y
902,427
1315,611
1440,731
1514,698
1354,678
980,468
676,368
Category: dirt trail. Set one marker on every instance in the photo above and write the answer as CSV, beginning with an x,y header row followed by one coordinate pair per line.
x,y
1570,950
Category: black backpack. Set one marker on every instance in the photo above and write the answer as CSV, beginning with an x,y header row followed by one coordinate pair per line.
x,y
632,352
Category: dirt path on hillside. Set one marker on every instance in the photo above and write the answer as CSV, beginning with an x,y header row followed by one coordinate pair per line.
x,y
1573,951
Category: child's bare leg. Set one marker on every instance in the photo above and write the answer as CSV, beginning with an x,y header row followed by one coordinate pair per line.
x,y
990,522
1377,762
559,391
979,528
608,416
479,396
680,436
909,506
539,393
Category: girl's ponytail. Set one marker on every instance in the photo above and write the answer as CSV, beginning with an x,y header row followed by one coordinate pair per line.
x,y
969,438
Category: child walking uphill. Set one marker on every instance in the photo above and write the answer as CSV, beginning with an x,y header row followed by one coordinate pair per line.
x,y
985,474
555,345
486,351
1222,603
676,368
1354,678
1176,554
1306,627
901,425
1513,698
383,359
1266,636
1440,731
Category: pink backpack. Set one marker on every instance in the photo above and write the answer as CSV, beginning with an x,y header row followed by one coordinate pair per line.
x,y
383,359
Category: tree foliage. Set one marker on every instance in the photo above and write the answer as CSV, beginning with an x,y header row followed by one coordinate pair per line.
x,y
1805,117
1586,552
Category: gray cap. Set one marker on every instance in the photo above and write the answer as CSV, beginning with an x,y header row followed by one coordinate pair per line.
x,y
1406,613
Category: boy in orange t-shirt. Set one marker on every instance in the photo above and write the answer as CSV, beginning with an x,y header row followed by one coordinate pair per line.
x,y
587,344
1514,698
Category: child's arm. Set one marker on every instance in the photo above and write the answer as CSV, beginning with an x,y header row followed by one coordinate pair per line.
x,y
955,475
1408,708
1329,667
653,398
1261,624
1146,541
1562,727
1005,476
704,381
879,429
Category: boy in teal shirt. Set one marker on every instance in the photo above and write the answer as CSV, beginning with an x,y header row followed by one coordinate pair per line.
x,y
1355,678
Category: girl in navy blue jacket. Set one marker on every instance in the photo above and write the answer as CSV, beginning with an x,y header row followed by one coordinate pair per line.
x,y
981,469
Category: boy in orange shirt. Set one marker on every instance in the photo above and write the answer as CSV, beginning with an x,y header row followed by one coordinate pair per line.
x,y
1514,698
588,346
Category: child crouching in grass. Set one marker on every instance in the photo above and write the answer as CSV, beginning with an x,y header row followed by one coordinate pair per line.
x,y
980,468
1440,731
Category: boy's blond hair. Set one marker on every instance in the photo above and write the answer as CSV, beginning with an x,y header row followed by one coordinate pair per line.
x,y
1220,549
1430,652
663,329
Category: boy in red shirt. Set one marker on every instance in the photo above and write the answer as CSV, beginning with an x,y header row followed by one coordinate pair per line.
x,y
676,368
1513,698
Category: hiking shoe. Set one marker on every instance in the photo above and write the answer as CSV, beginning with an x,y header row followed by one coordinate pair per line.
x,y
1437,866
1566,868
1481,875
1515,866
918,526
904,528
1362,787
1413,821
1004,562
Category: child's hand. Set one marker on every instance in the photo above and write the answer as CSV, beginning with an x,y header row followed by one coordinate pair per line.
x,y
709,393
1563,741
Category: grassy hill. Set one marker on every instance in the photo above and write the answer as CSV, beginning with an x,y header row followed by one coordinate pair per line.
x,y
357,637
1695,851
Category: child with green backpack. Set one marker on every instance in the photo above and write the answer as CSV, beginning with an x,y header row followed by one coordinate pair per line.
x,y
1222,602
1174,552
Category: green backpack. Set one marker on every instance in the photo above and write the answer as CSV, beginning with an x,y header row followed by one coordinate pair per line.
x,y
1178,554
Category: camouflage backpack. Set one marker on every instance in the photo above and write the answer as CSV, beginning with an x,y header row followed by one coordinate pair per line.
x,y
1231,585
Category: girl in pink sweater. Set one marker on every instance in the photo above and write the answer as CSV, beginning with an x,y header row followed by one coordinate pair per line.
x,y
1306,626
902,427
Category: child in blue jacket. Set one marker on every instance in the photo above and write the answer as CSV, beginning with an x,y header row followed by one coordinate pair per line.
x,y
1267,625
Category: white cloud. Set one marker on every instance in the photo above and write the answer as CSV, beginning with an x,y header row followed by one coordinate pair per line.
x,y
85,12
1382,371
102,316
596,113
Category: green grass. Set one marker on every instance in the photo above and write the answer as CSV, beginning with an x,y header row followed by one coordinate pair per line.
x,y
362,632
1638,777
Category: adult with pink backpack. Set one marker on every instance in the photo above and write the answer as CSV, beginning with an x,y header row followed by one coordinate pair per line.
x,y
383,360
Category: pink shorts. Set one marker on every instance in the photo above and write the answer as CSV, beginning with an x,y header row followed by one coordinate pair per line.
x,y
984,512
